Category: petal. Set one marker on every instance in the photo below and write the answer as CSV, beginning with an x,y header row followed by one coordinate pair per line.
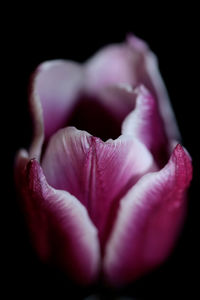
x,y
148,221
152,79
145,123
131,63
54,91
61,229
97,173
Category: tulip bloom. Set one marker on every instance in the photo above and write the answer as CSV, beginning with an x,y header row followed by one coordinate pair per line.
x,y
109,200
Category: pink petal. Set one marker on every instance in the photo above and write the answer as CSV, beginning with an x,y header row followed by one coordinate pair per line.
x,y
145,123
55,89
61,229
130,63
97,173
149,219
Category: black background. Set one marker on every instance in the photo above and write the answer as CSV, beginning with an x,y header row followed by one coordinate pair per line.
x,y
30,38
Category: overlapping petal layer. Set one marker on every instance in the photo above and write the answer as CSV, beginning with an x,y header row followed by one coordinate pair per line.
x,y
61,229
148,220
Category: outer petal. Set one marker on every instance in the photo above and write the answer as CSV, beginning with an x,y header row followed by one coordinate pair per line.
x,y
134,64
145,123
54,91
148,221
97,173
61,229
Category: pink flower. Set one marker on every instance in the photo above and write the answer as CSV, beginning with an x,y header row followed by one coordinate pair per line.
x,y
109,200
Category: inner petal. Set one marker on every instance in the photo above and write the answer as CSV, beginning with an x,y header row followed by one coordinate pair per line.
x,y
56,85
98,173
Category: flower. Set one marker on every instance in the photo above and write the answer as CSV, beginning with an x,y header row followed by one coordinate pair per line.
x,y
109,200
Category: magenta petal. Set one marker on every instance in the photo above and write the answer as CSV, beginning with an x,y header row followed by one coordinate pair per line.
x,y
148,221
61,229
152,79
97,173
131,63
55,89
145,123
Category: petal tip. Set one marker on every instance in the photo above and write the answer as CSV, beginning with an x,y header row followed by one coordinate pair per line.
x,y
184,167
136,42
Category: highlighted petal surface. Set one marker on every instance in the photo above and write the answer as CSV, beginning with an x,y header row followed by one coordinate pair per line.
x,y
148,221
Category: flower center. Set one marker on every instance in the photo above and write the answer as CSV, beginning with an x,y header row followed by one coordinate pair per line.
x,y
90,115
